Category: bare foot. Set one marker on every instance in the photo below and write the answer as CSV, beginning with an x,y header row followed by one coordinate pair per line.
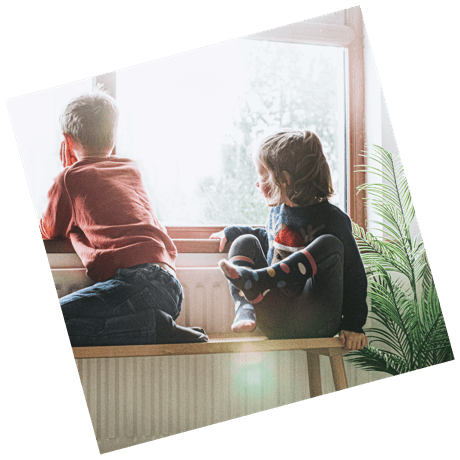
x,y
245,325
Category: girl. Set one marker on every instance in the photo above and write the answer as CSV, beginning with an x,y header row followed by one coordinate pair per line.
x,y
302,276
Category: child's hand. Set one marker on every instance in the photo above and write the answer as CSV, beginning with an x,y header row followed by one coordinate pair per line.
x,y
67,157
219,236
353,340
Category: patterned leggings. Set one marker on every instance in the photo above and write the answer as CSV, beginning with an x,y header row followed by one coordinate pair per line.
x,y
313,311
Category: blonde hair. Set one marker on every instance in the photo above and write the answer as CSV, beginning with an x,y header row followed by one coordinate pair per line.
x,y
92,120
300,154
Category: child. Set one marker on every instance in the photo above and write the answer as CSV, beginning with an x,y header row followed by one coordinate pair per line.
x,y
301,276
99,202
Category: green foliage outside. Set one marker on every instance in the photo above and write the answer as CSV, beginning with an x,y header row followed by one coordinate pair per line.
x,y
285,90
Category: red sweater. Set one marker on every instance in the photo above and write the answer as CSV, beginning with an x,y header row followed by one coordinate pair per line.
x,y
102,206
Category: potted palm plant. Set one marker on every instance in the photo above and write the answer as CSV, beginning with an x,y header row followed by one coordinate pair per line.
x,y
408,330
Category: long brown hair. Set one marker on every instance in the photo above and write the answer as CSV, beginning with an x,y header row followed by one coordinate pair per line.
x,y
300,154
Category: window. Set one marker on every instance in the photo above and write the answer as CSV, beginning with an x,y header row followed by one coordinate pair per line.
x,y
36,125
189,119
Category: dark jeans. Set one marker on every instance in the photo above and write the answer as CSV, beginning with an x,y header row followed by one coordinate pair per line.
x,y
124,309
317,310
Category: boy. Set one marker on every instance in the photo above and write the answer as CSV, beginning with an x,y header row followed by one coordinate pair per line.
x,y
99,202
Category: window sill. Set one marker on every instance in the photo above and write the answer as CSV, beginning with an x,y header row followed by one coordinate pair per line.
x,y
188,240
184,246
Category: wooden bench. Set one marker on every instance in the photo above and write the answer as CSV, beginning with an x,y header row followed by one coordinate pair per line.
x,y
331,347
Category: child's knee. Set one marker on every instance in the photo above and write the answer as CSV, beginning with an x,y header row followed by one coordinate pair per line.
x,y
244,244
328,244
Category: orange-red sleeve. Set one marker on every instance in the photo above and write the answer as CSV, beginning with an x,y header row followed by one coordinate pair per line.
x,y
56,220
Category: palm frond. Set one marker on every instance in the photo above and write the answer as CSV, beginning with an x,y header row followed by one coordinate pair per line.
x,y
371,248
373,359
410,327
391,198
391,308
425,274
434,339
393,190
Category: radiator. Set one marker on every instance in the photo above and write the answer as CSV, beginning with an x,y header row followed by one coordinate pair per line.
x,y
135,400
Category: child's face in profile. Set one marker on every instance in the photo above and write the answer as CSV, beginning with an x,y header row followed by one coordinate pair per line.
x,y
262,179
263,185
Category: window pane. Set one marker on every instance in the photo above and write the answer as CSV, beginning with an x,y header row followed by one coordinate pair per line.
x,y
189,119
36,125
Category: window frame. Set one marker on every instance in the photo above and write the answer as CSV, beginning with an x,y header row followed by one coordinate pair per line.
x,y
195,239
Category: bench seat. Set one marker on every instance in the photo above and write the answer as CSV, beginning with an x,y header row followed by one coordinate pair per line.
x,y
331,347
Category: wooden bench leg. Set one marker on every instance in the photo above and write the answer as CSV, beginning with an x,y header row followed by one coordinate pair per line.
x,y
314,374
338,372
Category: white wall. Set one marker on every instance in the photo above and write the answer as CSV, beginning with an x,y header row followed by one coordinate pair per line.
x,y
379,130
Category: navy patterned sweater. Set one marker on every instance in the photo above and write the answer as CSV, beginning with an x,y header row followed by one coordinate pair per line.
x,y
313,221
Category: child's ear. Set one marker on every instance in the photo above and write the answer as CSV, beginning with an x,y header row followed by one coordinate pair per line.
x,y
287,177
